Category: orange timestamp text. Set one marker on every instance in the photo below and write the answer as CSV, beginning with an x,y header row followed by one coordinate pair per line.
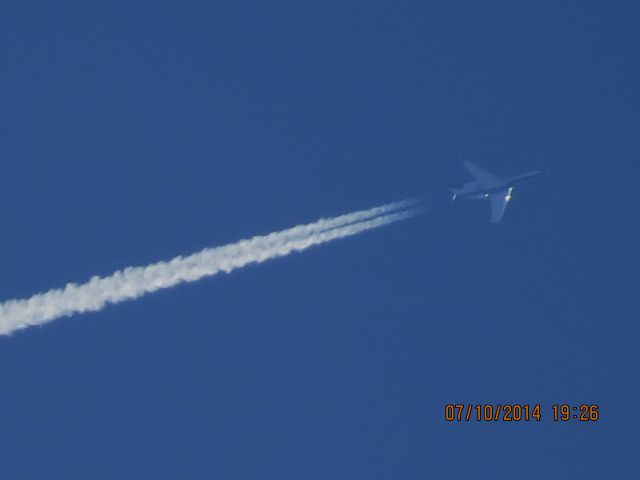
x,y
517,412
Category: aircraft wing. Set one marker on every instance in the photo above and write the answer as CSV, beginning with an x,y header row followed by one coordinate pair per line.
x,y
499,203
485,178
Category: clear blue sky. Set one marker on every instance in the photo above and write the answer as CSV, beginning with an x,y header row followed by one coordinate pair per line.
x,y
131,132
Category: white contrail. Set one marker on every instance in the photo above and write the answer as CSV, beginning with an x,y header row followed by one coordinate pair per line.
x,y
133,282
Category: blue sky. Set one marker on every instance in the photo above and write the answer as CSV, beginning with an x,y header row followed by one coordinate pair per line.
x,y
132,133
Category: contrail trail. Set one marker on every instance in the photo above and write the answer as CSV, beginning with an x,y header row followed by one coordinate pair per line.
x,y
133,282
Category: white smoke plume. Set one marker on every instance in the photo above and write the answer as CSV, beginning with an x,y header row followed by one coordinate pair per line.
x,y
133,282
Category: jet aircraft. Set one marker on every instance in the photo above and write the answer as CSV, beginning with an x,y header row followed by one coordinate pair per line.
x,y
496,189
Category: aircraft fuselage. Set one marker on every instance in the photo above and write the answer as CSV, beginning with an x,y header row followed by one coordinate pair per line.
x,y
475,191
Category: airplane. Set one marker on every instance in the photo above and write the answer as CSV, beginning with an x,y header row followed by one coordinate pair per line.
x,y
496,189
